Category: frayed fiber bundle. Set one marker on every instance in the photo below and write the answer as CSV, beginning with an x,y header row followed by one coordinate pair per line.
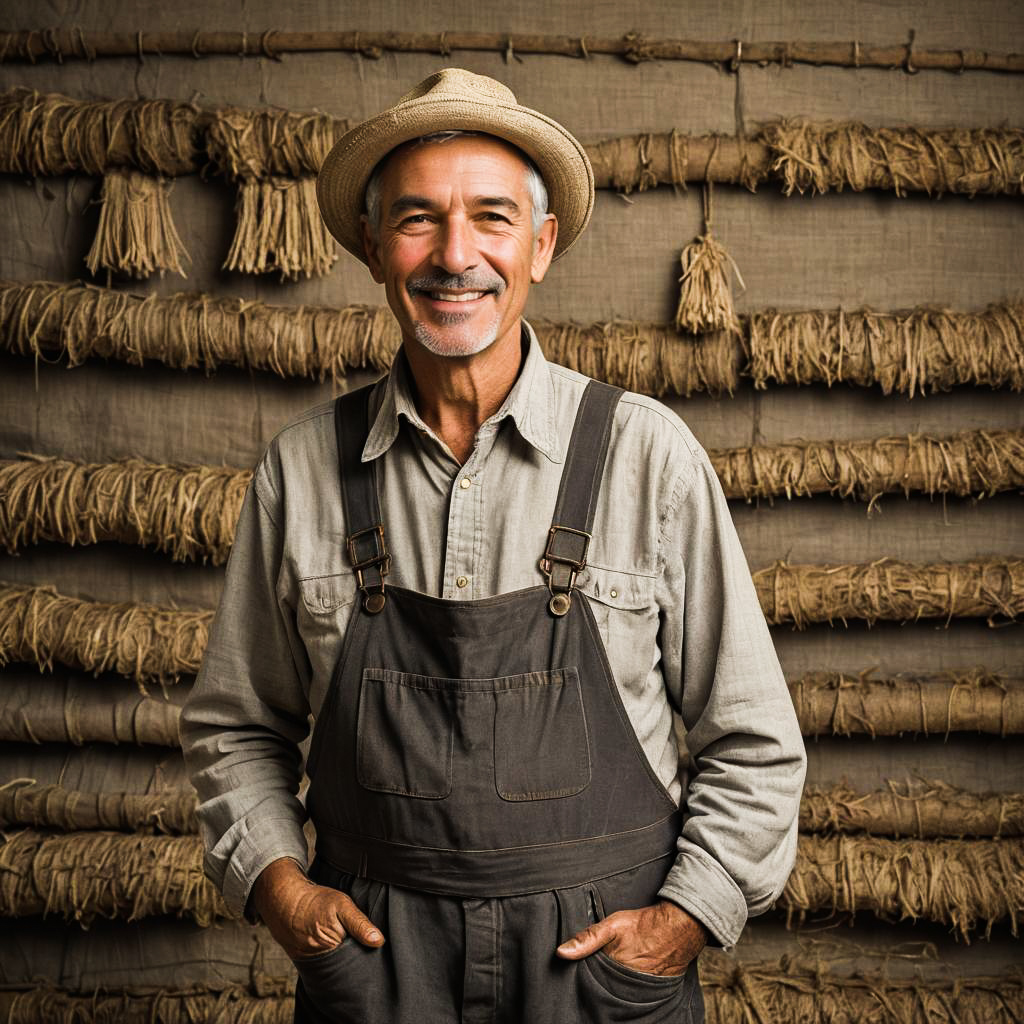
x,y
28,805
227,1006
50,134
145,642
136,235
189,512
908,353
967,884
186,331
705,295
260,144
973,462
915,809
85,875
279,230
892,590
811,157
823,992
835,704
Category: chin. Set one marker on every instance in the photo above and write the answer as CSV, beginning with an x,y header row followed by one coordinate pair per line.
x,y
455,340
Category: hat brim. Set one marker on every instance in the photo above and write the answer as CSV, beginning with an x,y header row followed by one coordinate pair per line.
x,y
561,160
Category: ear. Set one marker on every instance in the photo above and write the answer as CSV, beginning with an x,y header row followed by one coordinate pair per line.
x,y
544,248
372,250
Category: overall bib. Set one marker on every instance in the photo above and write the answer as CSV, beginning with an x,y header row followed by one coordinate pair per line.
x,y
478,789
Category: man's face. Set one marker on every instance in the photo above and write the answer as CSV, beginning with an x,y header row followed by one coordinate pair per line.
x,y
455,248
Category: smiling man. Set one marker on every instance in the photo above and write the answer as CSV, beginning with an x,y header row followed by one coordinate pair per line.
x,y
490,582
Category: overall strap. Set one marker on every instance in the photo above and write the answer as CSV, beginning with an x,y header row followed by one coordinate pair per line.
x,y
570,533
365,541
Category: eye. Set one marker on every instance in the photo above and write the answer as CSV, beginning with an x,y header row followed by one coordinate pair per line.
x,y
416,218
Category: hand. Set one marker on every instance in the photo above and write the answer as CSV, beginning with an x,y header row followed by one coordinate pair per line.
x,y
306,918
661,939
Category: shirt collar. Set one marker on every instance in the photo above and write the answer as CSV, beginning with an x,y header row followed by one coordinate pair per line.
x,y
530,404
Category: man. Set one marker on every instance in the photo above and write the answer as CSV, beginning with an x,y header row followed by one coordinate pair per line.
x,y
490,583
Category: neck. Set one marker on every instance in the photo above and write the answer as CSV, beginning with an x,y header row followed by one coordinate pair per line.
x,y
454,395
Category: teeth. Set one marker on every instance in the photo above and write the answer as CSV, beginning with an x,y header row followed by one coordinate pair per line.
x,y
455,297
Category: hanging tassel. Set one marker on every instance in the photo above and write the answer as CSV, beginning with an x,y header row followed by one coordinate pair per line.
x,y
136,235
279,228
705,296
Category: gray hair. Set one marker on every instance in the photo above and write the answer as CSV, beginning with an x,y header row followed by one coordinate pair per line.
x,y
534,185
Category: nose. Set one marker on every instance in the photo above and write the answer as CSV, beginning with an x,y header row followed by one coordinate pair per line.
x,y
455,252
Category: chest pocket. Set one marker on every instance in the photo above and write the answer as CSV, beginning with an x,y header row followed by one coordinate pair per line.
x,y
623,605
417,734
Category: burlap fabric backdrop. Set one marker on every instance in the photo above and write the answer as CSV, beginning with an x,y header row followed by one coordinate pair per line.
x,y
823,252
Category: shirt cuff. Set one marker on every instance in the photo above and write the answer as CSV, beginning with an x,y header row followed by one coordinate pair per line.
x,y
701,886
262,843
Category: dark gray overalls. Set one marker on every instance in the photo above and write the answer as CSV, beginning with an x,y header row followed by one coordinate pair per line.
x,y
477,788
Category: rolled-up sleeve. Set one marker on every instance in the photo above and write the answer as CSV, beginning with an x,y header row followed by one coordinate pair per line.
x,y
738,842
249,710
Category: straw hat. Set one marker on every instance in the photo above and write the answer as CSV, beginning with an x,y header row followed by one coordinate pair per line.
x,y
453,99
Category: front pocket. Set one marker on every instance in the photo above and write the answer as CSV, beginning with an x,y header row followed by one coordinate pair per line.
x,y
530,727
541,747
405,735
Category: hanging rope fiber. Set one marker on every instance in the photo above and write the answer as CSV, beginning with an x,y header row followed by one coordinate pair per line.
x,y
915,352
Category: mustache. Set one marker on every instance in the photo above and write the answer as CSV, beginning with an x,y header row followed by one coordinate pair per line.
x,y
470,282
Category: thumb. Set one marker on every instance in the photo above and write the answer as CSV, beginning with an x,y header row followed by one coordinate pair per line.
x,y
588,941
357,924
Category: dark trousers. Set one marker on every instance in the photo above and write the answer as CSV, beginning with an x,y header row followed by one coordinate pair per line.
x,y
488,961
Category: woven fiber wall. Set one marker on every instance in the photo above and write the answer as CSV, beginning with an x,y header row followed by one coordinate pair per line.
x,y
879,504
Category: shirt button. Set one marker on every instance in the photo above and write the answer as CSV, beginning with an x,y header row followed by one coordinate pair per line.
x,y
462,581
614,593
464,483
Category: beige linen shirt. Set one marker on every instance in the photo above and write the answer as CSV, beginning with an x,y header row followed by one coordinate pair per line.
x,y
667,580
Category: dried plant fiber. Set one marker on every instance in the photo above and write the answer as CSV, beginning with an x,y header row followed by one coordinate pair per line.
x,y
917,809
27,805
62,44
279,230
705,292
229,1006
978,462
892,590
834,704
967,884
259,144
65,708
810,993
149,643
959,882
749,993
84,875
136,235
908,353
186,331
822,157
49,134
914,809
189,512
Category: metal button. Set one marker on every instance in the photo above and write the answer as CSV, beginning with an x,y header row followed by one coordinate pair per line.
x,y
374,603
613,593
465,482
462,581
559,604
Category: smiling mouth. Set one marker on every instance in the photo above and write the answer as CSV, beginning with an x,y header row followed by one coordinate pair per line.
x,y
439,296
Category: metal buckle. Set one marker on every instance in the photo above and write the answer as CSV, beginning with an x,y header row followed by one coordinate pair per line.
x,y
380,556
578,564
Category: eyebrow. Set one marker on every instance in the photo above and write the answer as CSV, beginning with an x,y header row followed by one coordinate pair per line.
x,y
403,204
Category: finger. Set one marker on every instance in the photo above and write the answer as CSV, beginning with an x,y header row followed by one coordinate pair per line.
x,y
588,941
357,924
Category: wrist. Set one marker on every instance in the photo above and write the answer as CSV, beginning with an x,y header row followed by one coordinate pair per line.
x,y
273,883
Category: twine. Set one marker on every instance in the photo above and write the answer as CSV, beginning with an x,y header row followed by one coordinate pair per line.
x,y
973,462
831,703
966,884
148,643
891,590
